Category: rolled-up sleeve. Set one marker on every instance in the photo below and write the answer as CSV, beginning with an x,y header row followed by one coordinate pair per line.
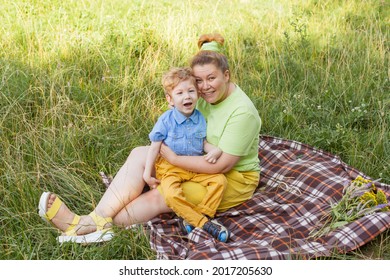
x,y
159,131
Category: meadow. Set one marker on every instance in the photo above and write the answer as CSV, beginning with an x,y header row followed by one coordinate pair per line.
x,y
80,87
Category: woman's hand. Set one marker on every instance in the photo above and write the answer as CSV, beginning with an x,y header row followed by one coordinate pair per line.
x,y
168,154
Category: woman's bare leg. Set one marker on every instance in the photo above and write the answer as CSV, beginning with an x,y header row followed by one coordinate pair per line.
x,y
142,209
126,186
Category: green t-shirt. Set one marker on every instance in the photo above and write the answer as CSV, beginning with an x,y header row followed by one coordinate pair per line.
x,y
234,126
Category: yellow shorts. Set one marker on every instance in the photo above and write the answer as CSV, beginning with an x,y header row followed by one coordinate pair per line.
x,y
240,188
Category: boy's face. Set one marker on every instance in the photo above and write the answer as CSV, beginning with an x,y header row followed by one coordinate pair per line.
x,y
183,97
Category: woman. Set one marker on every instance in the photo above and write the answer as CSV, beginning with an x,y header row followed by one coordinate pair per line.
x,y
233,124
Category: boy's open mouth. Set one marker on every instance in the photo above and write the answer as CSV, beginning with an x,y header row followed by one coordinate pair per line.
x,y
187,104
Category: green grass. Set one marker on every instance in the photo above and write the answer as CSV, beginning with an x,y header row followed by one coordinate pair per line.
x,y
80,87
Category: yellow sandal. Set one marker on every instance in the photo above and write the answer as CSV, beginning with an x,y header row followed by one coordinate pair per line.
x,y
70,235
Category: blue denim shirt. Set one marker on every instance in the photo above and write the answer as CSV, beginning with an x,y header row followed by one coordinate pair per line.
x,y
183,135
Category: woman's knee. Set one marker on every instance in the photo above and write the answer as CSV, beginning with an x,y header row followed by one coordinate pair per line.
x,y
137,159
139,152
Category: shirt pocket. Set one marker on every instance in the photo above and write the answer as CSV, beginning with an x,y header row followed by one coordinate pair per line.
x,y
176,142
198,139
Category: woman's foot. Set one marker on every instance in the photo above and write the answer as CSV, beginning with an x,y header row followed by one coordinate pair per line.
x,y
64,218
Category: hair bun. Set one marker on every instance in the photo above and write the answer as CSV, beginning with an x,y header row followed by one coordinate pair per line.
x,y
211,38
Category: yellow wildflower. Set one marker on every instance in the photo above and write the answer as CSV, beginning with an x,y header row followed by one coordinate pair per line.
x,y
380,197
369,199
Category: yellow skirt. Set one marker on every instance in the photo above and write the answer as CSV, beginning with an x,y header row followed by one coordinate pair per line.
x,y
240,188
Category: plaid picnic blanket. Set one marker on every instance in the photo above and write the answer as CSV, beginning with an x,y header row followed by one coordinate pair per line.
x,y
298,183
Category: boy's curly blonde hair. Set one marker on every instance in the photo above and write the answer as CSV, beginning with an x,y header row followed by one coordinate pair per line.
x,y
174,76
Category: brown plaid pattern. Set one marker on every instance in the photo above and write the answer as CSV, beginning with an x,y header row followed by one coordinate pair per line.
x,y
298,182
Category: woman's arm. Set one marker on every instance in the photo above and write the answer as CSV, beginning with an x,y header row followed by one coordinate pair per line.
x,y
197,163
213,153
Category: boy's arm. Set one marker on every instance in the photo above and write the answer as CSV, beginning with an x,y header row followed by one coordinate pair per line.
x,y
212,152
149,165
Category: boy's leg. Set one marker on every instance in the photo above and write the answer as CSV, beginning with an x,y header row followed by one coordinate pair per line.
x,y
171,178
175,199
215,185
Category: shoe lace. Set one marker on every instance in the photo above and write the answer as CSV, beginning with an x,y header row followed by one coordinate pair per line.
x,y
213,229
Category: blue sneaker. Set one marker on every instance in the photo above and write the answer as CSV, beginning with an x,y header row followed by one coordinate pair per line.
x,y
217,230
185,226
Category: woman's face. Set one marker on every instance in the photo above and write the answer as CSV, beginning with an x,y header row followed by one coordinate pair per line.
x,y
212,83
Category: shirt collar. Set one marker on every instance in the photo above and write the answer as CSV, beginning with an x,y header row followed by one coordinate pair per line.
x,y
180,118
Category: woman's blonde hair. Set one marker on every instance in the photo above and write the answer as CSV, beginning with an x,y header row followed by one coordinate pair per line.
x,y
208,56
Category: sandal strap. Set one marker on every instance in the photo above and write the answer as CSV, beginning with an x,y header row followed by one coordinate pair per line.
x,y
70,231
50,214
99,221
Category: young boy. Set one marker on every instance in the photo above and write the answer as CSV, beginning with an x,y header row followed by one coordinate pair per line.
x,y
183,129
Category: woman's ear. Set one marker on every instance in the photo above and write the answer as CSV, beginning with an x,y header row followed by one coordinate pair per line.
x,y
226,75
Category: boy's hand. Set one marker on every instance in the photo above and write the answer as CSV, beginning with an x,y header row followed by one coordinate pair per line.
x,y
151,181
213,155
